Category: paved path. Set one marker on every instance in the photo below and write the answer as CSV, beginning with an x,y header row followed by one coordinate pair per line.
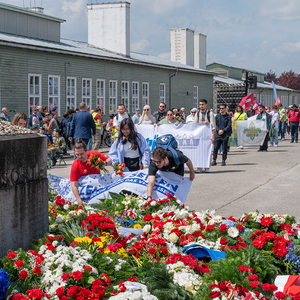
x,y
251,180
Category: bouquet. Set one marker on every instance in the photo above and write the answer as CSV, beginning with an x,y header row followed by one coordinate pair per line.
x,y
119,168
94,161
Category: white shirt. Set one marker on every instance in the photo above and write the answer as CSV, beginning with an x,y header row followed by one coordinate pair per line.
x,y
190,118
129,152
119,120
275,118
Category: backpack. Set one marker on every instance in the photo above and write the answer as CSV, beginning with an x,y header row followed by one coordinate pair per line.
x,y
207,114
168,142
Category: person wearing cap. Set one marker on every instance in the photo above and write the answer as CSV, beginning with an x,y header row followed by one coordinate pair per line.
x,y
136,117
57,147
35,128
293,120
191,117
264,116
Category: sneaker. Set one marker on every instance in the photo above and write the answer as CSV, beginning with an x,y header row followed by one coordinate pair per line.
x,y
283,139
206,170
291,141
199,170
223,163
271,145
296,141
275,145
214,163
241,147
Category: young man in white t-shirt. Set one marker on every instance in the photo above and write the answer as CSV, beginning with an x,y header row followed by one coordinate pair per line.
x,y
120,116
275,121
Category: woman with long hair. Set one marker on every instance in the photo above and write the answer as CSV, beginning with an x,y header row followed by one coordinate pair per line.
x,y
130,148
20,119
169,119
146,117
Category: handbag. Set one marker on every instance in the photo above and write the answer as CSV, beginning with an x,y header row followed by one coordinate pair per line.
x,y
133,164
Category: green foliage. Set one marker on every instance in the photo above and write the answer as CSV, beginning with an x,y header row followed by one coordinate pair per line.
x,y
72,230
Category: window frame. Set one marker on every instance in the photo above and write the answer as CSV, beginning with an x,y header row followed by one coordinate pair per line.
x,y
34,95
135,98
53,95
145,99
112,97
195,97
162,98
88,100
100,96
124,98
71,96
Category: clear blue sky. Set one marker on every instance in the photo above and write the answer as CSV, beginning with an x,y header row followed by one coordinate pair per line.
x,y
257,34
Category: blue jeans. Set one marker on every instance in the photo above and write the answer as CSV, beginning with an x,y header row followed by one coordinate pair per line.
x,y
276,139
86,141
282,131
294,131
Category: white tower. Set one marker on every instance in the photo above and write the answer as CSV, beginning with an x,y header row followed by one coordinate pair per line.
x,y
200,51
182,46
109,26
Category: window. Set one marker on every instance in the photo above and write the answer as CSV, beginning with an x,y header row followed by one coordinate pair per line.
x,y
162,92
34,90
135,96
54,92
100,94
145,93
125,94
113,96
71,93
87,92
195,96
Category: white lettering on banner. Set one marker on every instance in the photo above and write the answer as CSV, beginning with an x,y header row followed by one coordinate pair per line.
x,y
251,132
94,187
194,140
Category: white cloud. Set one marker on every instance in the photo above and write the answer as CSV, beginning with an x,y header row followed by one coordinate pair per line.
x,y
165,55
140,45
292,47
233,55
73,9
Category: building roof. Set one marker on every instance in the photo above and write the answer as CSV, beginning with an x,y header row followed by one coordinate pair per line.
x,y
29,12
229,66
84,49
260,85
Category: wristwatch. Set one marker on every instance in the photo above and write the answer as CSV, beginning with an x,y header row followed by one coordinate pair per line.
x,y
149,197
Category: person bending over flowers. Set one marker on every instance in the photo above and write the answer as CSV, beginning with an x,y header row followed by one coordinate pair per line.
x,y
130,148
80,166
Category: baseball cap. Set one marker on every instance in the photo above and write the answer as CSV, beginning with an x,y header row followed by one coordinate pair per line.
x,y
57,129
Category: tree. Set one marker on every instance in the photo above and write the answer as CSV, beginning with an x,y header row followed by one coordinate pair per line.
x,y
270,76
290,80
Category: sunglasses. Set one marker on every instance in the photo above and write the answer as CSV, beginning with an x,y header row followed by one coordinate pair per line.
x,y
222,107
169,114
146,109
157,162
193,112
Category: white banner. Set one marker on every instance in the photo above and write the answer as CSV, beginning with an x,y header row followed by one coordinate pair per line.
x,y
251,132
94,187
194,140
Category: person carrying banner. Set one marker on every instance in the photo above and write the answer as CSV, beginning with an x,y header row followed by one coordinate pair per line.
x,y
81,168
222,134
204,116
240,115
163,160
130,148
264,116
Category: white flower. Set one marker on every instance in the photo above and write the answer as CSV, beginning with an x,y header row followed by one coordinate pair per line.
x,y
66,206
233,232
58,220
147,228
153,203
173,237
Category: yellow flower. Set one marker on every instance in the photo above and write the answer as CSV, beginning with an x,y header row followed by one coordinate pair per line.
x,y
85,239
137,226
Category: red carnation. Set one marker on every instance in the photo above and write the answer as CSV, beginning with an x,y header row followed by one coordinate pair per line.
x,y
254,283
223,227
280,295
152,251
19,264
11,255
60,291
252,277
242,268
223,241
148,218
164,250
50,238
210,227
77,275
66,276
240,227
23,274
269,287
36,270
259,242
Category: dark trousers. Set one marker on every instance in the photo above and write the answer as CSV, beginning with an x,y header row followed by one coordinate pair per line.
x,y
264,146
294,131
217,144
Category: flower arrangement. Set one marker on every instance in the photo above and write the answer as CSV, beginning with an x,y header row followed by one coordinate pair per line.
x,y
119,168
94,161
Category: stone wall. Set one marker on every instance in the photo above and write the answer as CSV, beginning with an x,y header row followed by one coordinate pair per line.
x,y
23,190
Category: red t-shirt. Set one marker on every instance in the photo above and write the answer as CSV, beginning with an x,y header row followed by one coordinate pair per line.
x,y
80,169
294,116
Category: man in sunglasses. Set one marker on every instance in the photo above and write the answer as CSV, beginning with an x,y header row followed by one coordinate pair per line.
x,y
222,134
161,113
163,160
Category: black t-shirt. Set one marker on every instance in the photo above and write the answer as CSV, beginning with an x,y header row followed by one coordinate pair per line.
x,y
171,167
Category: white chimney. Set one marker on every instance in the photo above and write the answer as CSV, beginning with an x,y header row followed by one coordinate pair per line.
x,y
200,51
182,46
109,26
